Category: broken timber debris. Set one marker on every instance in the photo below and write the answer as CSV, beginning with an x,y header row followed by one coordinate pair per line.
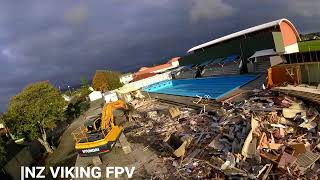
x,y
174,112
265,135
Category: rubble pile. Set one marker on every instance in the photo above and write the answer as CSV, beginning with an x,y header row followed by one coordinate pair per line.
x,y
265,136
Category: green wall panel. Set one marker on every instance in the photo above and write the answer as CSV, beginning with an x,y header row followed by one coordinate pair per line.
x,y
278,42
310,74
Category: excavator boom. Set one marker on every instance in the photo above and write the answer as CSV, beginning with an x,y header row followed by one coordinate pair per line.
x,y
107,114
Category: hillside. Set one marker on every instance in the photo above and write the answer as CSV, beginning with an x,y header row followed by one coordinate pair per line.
x,y
310,36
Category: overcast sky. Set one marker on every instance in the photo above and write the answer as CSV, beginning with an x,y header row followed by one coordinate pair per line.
x,y
63,40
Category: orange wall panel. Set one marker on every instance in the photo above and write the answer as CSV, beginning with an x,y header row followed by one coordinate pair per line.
x,y
288,34
279,76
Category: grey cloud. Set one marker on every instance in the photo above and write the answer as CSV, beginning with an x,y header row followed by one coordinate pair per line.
x,y
62,41
77,14
306,8
210,9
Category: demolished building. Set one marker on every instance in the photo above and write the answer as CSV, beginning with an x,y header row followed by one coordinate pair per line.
x,y
263,128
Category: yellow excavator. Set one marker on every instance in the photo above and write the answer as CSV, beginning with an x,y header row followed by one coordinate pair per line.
x,y
99,134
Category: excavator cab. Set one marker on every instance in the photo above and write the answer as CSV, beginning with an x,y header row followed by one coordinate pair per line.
x,y
98,135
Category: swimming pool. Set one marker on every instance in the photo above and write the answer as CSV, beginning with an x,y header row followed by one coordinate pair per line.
x,y
215,87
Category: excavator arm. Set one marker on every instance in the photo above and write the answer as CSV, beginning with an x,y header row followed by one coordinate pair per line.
x,y
102,141
107,118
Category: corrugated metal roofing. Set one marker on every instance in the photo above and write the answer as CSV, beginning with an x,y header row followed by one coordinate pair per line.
x,y
243,32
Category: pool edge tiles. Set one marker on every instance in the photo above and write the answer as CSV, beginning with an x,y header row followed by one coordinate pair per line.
x,y
159,85
216,86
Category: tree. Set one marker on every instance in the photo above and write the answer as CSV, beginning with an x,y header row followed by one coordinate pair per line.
x,y
2,151
84,82
310,36
35,109
2,144
106,80
99,81
113,79
84,90
77,106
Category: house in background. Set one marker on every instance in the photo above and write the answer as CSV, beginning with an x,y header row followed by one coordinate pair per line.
x,y
173,63
146,72
95,95
149,75
126,78
142,76
110,96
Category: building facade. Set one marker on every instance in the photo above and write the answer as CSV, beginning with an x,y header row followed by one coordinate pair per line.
x,y
126,78
279,35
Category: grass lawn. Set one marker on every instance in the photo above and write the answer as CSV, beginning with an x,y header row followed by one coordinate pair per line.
x,y
313,45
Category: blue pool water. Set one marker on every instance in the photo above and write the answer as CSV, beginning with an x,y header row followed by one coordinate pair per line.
x,y
215,87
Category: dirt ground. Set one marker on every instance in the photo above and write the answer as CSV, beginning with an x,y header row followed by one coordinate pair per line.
x,y
146,162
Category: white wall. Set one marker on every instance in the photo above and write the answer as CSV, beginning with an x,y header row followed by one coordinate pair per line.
x,y
110,97
175,63
144,82
95,95
275,60
126,79
291,49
